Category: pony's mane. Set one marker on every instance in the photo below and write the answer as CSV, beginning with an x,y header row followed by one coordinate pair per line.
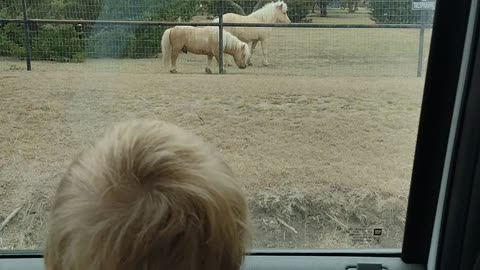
x,y
266,12
229,41
232,42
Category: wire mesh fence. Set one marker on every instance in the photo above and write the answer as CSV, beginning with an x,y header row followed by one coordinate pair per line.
x,y
331,38
316,143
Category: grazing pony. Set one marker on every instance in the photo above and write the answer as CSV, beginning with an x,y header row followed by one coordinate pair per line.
x,y
275,12
201,40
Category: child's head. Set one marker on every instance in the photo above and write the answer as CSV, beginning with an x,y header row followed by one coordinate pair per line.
x,y
147,195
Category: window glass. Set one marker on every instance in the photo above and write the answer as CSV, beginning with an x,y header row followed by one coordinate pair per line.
x,y
320,129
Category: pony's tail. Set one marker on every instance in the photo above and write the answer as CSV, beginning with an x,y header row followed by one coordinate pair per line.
x,y
166,48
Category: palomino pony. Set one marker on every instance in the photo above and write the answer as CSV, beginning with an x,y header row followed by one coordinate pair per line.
x,y
275,12
201,40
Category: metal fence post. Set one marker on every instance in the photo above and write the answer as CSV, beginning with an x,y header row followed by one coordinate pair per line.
x,y
420,46
220,37
27,35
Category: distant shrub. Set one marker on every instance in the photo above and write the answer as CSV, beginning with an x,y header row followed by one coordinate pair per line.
x,y
125,42
57,43
298,10
12,41
112,43
173,10
74,43
398,12
9,48
146,42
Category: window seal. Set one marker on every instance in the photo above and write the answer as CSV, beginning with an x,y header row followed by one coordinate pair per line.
x,y
456,249
384,253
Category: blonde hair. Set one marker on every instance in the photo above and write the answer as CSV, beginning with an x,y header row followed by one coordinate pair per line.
x,y
148,195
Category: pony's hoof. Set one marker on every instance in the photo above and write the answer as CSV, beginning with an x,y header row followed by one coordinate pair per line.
x,y
266,63
250,64
207,70
173,71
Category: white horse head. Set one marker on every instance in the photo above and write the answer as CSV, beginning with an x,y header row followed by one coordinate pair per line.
x,y
274,12
240,50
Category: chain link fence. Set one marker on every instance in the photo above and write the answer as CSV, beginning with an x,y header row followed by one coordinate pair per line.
x,y
324,38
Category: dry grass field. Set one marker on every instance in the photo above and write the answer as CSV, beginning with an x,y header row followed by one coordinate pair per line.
x,y
322,140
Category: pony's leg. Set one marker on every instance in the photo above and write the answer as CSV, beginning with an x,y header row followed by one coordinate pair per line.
x,y
264,52
249,60
209,63
173,69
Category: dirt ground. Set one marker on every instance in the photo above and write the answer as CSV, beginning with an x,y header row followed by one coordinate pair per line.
x,y
326,156
322,140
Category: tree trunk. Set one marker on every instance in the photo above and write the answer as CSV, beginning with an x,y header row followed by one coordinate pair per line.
x,y
322,5
237,8
323,13
352,6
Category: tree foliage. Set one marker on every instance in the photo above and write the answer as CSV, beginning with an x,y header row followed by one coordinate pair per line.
x,y
136,41
57,43
398,12
72,43
11,40
298,10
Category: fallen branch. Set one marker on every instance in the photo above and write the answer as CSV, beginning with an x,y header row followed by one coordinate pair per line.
x,y
286,225
201,119
4,223
337,221
238,9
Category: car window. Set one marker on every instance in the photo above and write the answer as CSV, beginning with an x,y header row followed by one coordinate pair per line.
x,y
319,124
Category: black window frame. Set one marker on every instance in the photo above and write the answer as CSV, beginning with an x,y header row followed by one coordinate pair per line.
x,y
441,86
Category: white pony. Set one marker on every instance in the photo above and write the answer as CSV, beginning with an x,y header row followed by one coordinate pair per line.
x,y
275,12
201,40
